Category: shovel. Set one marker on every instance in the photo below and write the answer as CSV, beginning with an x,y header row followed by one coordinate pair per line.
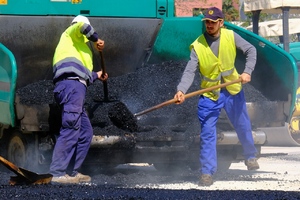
x,y
105,90
25,176
124,119
103,68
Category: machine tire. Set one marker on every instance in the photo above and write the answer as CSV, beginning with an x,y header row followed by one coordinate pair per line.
x,y
16,150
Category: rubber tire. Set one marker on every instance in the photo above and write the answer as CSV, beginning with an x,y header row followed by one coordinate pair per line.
x,y
16,150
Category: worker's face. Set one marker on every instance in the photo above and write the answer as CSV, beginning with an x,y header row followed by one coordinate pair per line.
x,y
213,27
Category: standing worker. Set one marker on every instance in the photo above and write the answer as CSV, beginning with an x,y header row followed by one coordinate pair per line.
x,y
214,52
72,70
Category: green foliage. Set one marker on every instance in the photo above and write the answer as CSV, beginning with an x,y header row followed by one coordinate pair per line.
x,y
198,11
230,12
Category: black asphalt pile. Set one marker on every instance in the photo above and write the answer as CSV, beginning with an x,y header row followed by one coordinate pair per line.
x,y
148,86
38,93
252,94
140,90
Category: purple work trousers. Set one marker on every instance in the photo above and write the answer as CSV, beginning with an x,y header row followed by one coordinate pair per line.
x,y
208,114
76,132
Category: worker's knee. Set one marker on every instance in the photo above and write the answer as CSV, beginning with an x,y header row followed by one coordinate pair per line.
x,y
71,120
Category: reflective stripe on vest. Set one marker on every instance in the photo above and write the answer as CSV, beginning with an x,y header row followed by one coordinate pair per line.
x,y
73,67
212,68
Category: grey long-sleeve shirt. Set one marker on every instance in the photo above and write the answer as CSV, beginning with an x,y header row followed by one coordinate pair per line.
x,y
193,64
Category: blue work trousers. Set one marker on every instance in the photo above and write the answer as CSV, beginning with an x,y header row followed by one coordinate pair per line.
x,y
208,114
76,132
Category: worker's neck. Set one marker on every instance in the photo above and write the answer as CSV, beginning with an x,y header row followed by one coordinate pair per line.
x,y
213,36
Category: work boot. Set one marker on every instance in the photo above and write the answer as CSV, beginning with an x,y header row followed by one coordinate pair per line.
x,y
206,180
83,178
65,179
252,164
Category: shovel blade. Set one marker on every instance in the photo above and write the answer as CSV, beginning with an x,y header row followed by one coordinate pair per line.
x,y
38,180
25,176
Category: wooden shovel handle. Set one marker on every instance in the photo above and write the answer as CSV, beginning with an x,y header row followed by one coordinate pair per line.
x,y
103,68
198,92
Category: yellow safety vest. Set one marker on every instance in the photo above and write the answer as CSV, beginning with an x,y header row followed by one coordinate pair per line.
x,y
72,48
213,68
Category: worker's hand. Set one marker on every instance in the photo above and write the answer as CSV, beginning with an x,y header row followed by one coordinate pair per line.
x,y
179,96
99,45
245,78
101,76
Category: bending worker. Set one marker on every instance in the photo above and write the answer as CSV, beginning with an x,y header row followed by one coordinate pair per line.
x,y
72,70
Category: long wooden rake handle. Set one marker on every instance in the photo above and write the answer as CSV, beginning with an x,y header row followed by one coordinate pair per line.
x,y
195,93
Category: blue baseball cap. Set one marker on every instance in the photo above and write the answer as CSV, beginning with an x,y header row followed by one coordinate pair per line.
x,y
213,14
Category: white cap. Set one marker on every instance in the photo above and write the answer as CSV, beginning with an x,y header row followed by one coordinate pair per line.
x,y
80,18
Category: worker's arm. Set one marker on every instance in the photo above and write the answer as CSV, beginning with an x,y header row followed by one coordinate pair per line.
x,y
250,52
91,35
187,77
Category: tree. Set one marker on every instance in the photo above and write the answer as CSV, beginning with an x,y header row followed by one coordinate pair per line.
x,y
230,12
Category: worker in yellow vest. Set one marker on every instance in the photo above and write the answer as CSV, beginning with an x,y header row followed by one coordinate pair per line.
x,y
72,74
213,54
